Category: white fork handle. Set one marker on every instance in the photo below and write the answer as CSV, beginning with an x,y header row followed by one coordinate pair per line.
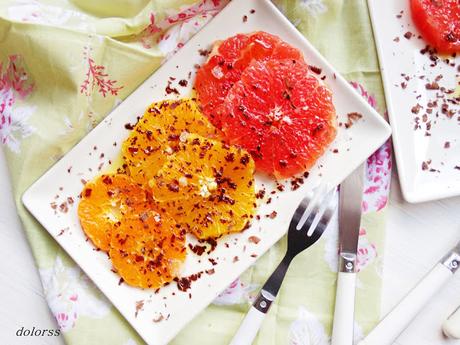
x,y
342,330
248,328
399,318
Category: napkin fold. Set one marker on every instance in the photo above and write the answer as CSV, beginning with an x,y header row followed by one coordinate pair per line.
x,y
65,65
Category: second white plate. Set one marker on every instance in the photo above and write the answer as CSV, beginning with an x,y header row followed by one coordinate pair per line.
x,y
426,139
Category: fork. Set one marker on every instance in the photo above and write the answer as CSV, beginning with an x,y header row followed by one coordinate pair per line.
x,y
310,219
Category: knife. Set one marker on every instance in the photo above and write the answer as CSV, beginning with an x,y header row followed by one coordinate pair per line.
x,y
397,320
351,193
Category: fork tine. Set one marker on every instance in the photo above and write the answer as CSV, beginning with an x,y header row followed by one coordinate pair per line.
x,y
304,206
322,207
324,221
312,202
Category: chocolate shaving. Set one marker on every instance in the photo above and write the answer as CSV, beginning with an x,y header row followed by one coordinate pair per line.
x,y
139,306
352,118
254,239
159,318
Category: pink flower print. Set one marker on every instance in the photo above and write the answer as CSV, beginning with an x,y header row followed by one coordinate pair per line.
x,y
378,169
367,252
236,293
378,178
15,85
180,25
15,77
381,202
6,102
70,295
153,28
66,321
367,96
97,77
200,8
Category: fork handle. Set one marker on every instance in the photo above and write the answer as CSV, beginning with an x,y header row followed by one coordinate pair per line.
x,y
249,328
253,320
251,324
342,330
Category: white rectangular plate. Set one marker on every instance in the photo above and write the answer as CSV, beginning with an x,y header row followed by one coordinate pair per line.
x,y
427,169
354,146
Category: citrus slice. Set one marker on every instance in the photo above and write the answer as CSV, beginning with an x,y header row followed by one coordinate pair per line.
x,y
438,22
228,60
104,203
282,114
148,251
207,187
157,134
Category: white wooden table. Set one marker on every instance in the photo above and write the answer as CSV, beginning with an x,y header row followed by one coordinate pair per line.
x,y
417,236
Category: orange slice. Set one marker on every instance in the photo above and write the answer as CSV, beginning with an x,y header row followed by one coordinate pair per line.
x,y
207,187
148,251
104,202
158,133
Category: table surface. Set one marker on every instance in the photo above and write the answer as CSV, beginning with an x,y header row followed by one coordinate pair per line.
x,y
417,236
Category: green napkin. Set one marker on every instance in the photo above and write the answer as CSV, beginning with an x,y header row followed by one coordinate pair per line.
x,y
65,64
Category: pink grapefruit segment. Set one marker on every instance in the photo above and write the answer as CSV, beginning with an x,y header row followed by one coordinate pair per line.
x,y
282,114
227,62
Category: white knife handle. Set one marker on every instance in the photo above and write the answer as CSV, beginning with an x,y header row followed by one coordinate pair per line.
x,y
249,327
342,330
451,327
399,318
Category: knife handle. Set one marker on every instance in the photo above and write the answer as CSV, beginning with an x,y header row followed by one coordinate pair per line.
x,y
342,330
399,318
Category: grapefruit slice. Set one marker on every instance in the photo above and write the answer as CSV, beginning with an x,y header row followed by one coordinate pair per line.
x,y
207,187
148,251
157,134
438,22
104,204
282,114
227,62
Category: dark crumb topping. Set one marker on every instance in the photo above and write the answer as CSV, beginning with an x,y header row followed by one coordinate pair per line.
x,y
204,52
272,215
315,69
260,194
184,283
352,118
159,318
171,90
139,307
197,249
254,239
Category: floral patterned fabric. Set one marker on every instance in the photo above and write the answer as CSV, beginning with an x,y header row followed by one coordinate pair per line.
x,y
65,64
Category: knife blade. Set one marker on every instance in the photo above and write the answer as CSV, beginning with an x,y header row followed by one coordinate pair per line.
x,y
351,194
